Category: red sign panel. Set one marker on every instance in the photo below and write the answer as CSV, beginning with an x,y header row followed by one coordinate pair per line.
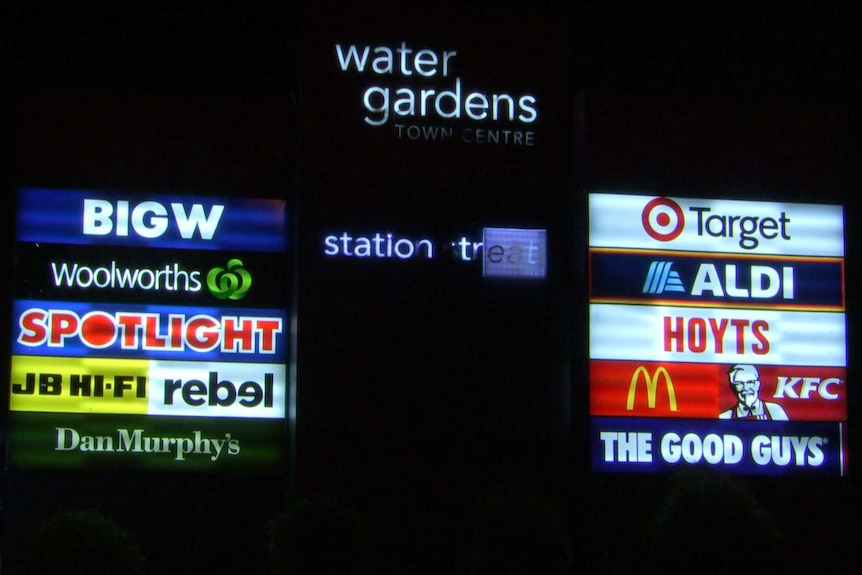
x,y
725,391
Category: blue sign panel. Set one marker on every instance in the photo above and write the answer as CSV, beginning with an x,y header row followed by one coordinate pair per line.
x,y
746,447
156,220
707,279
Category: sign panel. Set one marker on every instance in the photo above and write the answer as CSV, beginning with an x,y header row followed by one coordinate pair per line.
x,y
156,220
717,335
143,335
76,441
717,280
728,226
701,390
154,331
765,448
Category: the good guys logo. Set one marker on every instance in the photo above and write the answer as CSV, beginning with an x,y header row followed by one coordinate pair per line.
x,y
663,219
419,98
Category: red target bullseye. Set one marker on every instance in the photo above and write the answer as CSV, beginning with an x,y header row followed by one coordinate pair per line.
x,y
663,219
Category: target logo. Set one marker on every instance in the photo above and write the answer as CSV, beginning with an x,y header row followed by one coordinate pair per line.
x,y
663,219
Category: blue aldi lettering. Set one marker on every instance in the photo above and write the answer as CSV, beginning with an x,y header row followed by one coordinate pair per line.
x,y
154,220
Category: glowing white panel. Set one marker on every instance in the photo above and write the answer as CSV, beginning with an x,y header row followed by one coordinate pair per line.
x,y
242,390
730,226
711,335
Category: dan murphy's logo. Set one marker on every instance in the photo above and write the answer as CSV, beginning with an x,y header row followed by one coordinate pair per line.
x,y
232,282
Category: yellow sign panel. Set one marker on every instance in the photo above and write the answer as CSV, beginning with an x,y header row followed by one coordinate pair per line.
x,y
652,387
79,385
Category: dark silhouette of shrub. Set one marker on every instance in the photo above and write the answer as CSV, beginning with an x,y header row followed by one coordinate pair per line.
x,y
519,533
316,536
710,523
83,543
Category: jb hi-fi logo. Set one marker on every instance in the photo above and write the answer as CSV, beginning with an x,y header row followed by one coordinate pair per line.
x,y
410,105
230,282
664,220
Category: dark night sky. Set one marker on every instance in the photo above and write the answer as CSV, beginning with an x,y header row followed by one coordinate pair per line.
x,y
772,92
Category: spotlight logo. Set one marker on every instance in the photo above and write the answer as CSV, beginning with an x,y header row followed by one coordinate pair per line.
x,y
663,219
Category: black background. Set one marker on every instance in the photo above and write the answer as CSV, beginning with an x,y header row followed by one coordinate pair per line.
x,y
420,387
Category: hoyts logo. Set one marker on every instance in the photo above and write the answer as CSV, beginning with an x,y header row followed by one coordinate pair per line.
x,y
664,220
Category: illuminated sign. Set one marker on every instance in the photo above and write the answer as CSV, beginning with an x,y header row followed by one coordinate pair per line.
x,y
378,245
717,335
404,102
135,353
166,332
74,441
791,283
705,390
426,99
126,275
147,387
504,252
765,448
729,226
186,222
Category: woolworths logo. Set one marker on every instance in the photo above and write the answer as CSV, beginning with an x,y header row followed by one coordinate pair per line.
x,y
231,283
134,441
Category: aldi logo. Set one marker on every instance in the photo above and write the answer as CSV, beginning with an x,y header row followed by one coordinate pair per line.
x,y
715,280
662,278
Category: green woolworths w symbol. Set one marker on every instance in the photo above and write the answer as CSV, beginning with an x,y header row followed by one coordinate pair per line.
x,y
231,283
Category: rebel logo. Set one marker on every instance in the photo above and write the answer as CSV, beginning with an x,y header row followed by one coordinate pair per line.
x,y
230,283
